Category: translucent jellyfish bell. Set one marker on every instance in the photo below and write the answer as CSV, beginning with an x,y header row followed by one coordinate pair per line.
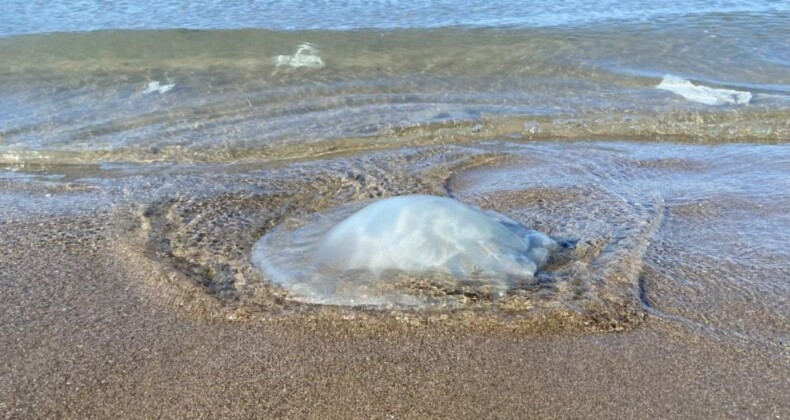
x,y
345,261
421,233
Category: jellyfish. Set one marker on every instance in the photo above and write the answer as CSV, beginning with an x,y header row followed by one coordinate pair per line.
x,y
703,94
156,87
306,56
352,259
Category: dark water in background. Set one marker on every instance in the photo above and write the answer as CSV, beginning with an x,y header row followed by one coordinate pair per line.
x,y
654,135
19,17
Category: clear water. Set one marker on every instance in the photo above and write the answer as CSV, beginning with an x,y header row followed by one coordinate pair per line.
x,y
86,97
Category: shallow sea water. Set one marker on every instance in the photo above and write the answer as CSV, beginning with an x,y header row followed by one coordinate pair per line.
x,y
655,141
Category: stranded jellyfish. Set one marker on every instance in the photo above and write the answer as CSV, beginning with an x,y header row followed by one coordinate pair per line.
x,y
377,254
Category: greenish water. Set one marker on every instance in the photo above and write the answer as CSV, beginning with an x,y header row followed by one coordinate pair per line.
x,y
87,97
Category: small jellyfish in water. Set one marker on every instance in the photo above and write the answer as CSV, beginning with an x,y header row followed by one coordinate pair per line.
x,y
306,56
350,260
156,87
703,94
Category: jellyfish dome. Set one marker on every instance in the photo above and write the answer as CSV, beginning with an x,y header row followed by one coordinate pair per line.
x,y
355,259
421,233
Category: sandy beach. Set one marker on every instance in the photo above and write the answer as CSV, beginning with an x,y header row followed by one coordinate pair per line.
x,y
86,334
77,344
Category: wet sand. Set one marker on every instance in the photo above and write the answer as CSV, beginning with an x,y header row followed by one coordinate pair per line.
x,y
76,342
124,309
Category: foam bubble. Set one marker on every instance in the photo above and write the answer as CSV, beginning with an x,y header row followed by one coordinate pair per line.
x,y
703,94
364,258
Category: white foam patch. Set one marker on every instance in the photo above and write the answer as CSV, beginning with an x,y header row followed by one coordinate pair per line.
x,y
351,261
703,94
306,56
156,87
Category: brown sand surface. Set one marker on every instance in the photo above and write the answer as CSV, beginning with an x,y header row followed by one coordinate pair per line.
x,y
77,341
